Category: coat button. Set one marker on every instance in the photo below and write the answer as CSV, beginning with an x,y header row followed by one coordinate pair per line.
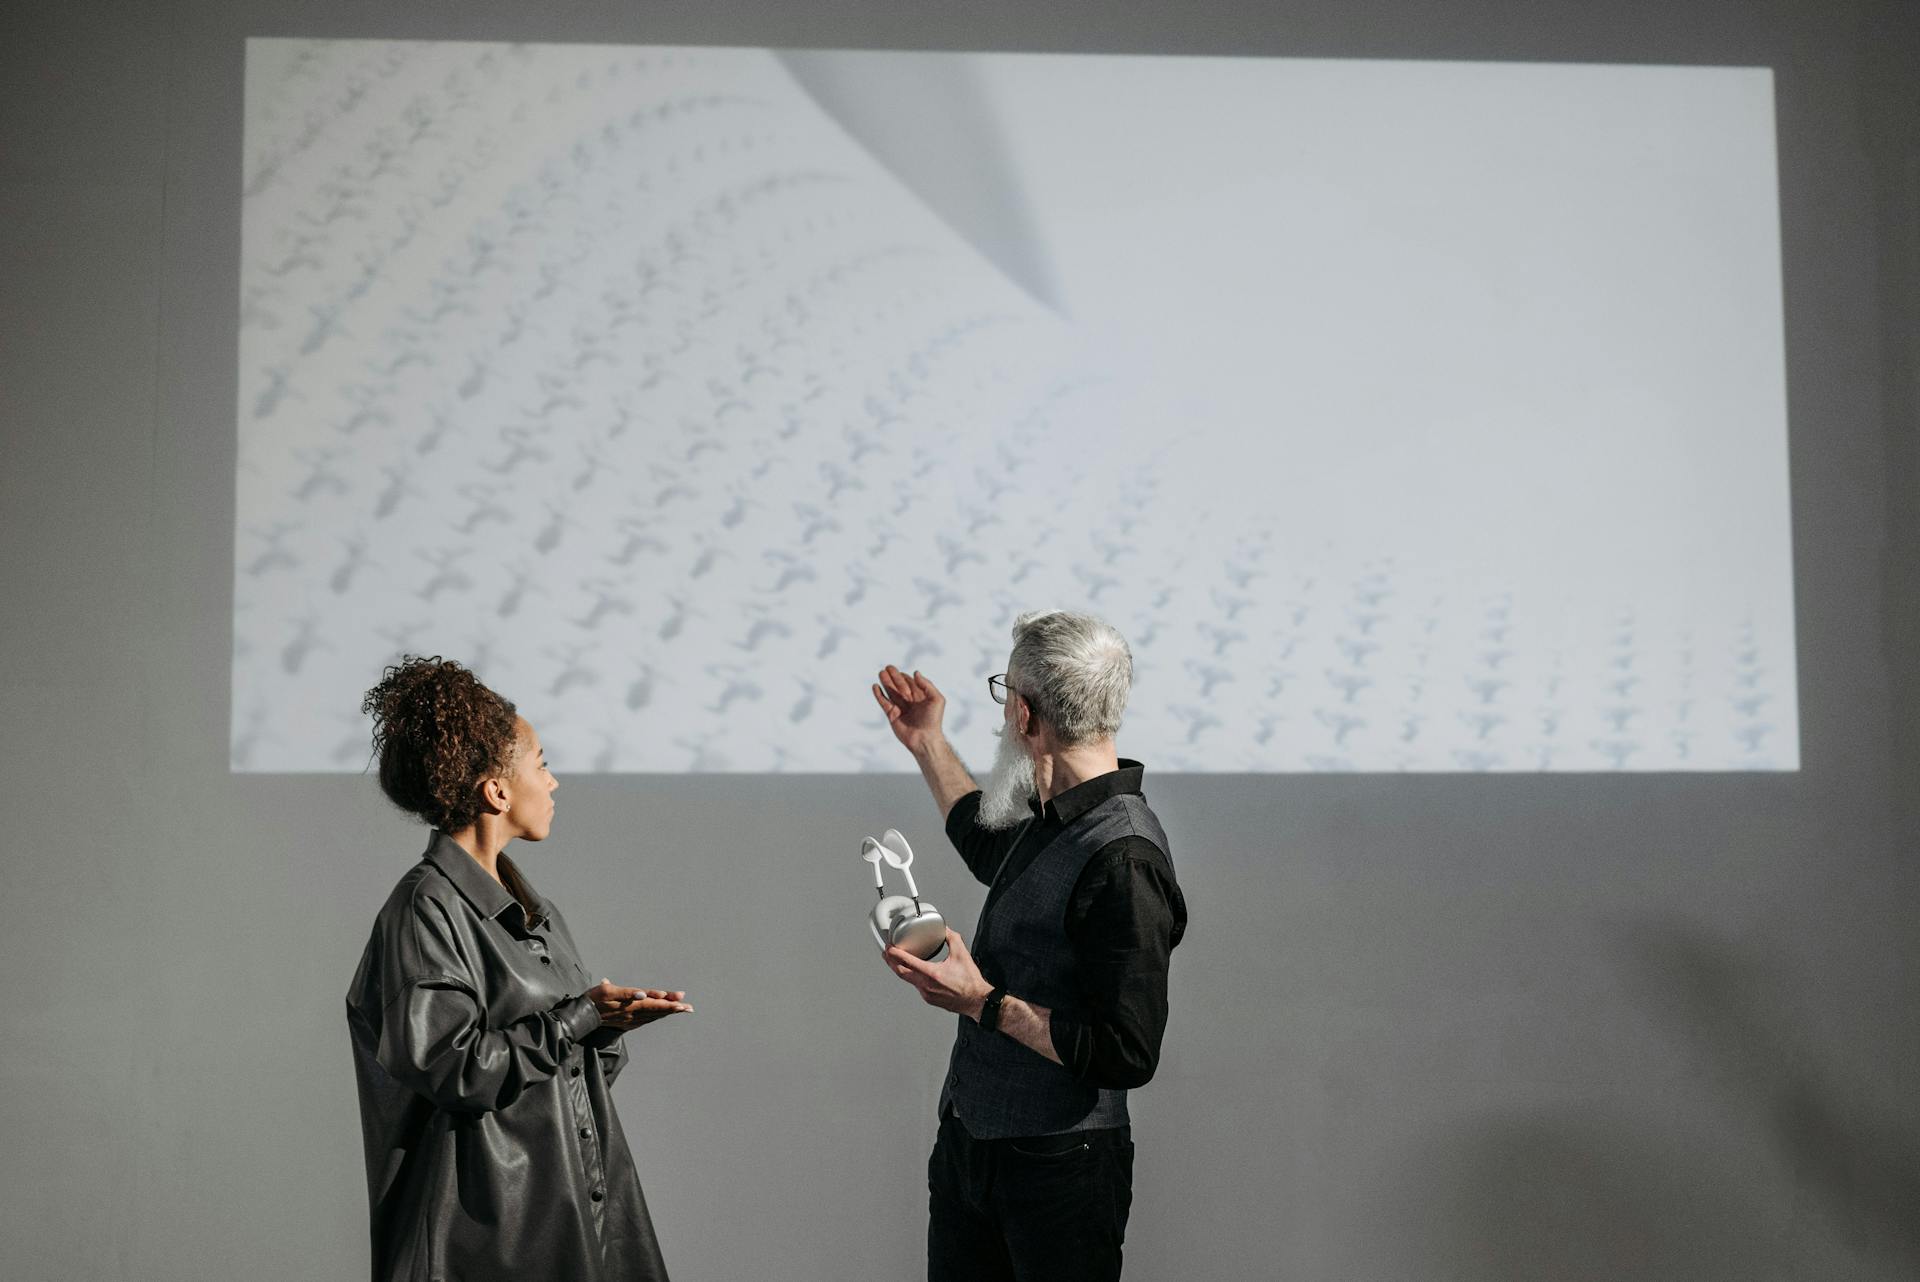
x,y
545,960
598,1195
574,1071
586,1132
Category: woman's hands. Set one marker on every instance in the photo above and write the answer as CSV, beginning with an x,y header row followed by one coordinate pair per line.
x,y
628,1008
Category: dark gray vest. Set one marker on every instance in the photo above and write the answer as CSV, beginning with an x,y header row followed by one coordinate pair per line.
x,y
996,1086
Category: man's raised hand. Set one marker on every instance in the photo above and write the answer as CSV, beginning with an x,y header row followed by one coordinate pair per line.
x,y
914,707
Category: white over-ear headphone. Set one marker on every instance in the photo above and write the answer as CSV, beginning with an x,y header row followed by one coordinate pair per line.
x,y
905,921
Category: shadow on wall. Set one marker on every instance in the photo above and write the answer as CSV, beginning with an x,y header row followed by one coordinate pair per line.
x,y
1579,1192
1857,1159
1579,1196
928,118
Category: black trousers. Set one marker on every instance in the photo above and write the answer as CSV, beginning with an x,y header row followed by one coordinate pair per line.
x,y
1048,1209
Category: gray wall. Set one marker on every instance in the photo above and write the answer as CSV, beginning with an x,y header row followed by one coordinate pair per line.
x,y
1445,1028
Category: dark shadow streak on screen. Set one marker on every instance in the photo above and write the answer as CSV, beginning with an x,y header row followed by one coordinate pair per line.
x,y
926,118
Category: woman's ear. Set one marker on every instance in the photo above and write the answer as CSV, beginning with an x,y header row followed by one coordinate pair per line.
x,y
493,792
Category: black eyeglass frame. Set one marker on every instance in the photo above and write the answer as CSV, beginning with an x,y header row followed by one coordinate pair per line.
x,y
998,689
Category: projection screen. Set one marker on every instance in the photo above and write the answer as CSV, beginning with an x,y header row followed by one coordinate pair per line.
x,y
1405,416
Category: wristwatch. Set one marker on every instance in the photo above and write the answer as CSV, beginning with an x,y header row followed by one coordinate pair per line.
x,y
990,1009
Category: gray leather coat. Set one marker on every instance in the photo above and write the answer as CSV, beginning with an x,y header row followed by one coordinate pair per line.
x,y
492,1147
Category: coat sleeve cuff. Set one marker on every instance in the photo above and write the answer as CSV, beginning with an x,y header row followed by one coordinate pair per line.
x,y
576,1018
604,1038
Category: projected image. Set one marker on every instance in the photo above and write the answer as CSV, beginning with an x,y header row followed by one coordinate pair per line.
x,y
1406,417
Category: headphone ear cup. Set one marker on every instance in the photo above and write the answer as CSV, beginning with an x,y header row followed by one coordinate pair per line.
x,y
887,918
919,929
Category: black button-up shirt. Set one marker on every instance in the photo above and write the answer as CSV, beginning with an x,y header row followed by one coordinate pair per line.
x,y
492,1147
1124,920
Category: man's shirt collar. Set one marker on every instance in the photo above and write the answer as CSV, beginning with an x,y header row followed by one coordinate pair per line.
x,y
1082,797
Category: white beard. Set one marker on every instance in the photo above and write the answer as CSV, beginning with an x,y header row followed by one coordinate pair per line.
x,y
1003,798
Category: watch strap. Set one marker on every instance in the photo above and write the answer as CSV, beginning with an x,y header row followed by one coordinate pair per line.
x,y
990,1009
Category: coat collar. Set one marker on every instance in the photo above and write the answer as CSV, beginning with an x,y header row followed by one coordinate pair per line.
x,y
488,897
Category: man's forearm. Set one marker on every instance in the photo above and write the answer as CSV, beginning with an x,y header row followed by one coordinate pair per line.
x,y
1030,1025
948,779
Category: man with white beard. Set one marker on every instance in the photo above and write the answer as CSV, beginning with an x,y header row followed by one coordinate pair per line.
x,y
1063,998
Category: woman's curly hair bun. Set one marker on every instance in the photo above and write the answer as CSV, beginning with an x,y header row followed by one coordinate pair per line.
x,y
439,732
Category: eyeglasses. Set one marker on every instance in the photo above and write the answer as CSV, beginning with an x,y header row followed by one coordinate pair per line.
x,y
998,688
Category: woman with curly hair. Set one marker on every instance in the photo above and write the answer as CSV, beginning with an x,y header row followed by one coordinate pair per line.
x,y
483,1049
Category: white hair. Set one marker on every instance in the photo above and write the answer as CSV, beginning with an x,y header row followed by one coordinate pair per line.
x,y
1075,670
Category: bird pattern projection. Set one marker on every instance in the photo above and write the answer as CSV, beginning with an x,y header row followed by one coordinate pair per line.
x,y
627,377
